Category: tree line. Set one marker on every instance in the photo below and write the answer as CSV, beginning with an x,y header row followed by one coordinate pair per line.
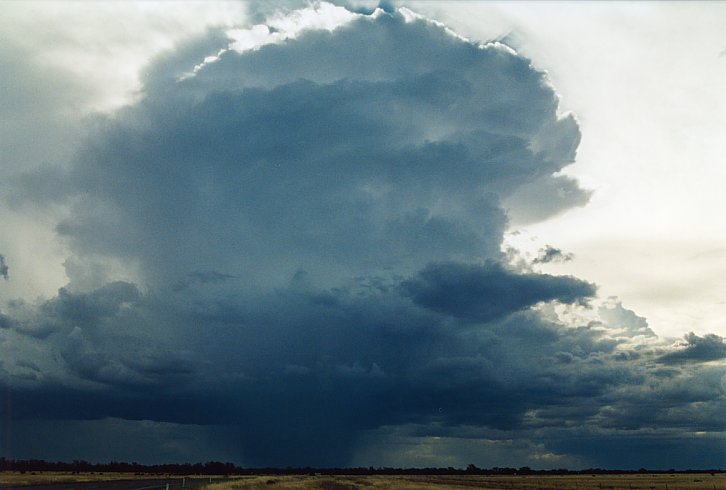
x,y
219,468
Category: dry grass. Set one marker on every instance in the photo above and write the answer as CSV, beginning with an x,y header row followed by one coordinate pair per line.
x,y
16,478
45,477
580,482
375,482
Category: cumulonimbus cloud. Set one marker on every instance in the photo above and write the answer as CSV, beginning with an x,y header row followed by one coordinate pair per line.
x,y
313,228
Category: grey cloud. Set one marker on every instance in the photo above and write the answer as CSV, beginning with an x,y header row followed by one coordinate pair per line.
x,y
710,347
363,359
328,162
552,254
104,335
83,308
201,278
545,198
41,330
41,107
92,365
485,292
651,449
209,277
133,440
47,183
159,363
128,369
3,267
28,320
616,316
28,364
289,367
6,321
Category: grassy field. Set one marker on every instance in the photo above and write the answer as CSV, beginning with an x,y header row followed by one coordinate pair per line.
x,y
16,478
271,482
45,477
585,482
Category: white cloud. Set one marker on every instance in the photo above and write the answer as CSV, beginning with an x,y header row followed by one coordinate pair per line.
x,y
105,45
280,27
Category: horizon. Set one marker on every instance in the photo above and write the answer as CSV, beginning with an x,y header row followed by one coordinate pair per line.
x,y
218,467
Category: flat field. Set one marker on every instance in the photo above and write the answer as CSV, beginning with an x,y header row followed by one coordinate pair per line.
x,y
17,478
575,482
403,482
36,478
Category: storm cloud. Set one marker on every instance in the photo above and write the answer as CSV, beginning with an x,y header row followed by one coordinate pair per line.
x,y
485,292
300,241
710,347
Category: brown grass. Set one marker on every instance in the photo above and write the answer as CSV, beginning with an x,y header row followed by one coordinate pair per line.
x,y
16,478
375,482
575,482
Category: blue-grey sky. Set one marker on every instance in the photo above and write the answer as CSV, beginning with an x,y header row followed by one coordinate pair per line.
x,y
335,234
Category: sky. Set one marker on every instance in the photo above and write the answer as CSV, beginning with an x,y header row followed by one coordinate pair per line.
x,y
334,234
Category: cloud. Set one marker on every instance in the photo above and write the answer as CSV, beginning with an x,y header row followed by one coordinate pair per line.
x,y
134,440
302,241
552,254
616,316
710,347
489,291
88,308
201,278
545,198
3,267
364,151
34,113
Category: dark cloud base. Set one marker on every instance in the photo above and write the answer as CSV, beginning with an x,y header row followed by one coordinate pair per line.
x,y
300,246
